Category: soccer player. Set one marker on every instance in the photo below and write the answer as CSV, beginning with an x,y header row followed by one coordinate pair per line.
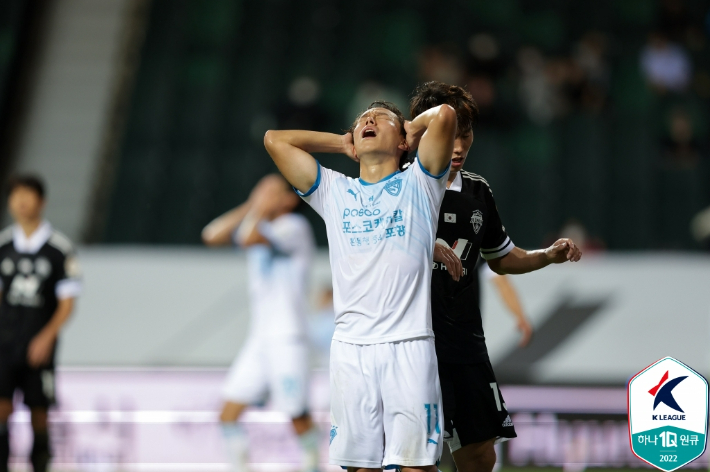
x,y
39,281
279,247
385,395
475,413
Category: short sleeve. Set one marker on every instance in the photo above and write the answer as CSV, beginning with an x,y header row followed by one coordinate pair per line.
x,y
320,193
433,185
496,243
289,234
69,284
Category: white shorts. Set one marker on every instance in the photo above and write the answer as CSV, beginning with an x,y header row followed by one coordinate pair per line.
x,y
269,367
385,406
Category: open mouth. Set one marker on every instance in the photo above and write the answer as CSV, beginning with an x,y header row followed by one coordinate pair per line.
x,y
457,161
368,133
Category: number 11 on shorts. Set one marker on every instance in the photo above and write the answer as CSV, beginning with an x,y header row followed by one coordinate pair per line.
x,y
428,408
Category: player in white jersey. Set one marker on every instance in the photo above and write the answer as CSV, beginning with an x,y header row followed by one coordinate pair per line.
x,y
274,360
385,395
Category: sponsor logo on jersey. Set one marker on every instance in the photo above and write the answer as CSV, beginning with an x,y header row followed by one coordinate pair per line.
x,y
7,267
393,187
353,193
450,217
508,422
43,267
25,266
668,414
477,220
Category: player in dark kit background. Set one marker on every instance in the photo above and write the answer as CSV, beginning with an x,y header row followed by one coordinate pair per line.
x,y
39,280
475,414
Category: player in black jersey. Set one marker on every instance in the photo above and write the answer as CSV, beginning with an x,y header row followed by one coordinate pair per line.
x,y
39,280
475,414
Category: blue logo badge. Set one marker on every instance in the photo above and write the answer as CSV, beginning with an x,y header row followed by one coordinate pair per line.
x,y
333,433
353,193
393,187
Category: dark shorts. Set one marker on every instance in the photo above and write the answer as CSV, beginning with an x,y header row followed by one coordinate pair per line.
x,y
36,385
474,409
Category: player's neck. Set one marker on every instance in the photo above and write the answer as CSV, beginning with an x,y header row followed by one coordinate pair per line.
x,y
29,226
452,177
374,169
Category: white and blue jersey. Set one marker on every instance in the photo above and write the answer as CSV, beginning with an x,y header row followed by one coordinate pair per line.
x,y
381,239
278,277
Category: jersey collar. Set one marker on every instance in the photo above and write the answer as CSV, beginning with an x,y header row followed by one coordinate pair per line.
x,y
457,184
381,180
34,243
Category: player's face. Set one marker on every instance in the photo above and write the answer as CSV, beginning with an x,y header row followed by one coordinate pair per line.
x,y
25,204
462,145
378,131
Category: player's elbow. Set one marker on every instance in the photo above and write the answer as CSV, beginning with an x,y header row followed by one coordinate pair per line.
x,y
271,137
496,265
447,116
209,238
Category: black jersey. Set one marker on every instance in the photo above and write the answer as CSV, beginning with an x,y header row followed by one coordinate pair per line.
x,y
469,223
32,279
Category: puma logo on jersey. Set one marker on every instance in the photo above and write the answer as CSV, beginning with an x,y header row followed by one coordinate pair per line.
x,y
449,217
353,193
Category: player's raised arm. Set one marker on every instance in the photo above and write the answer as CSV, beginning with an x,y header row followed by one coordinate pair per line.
x,y
433,132
291,151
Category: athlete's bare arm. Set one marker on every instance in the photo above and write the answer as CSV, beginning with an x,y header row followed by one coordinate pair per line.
x,y
265,202
433,132
40,349
220,230
510,297
520,261
291,152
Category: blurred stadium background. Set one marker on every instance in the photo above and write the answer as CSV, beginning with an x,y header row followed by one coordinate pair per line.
x,y
146,118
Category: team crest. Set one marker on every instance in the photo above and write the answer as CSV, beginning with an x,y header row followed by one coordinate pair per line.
x,y
477,220
393,187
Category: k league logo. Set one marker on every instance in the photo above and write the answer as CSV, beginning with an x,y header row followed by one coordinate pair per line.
x,y
668,414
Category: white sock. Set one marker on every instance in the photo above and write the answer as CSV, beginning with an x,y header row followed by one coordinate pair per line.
x,y
309,446
235,437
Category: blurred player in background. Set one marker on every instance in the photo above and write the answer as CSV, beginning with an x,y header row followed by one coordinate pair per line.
x,y
508,295
39,281
475,413
279,246
385,396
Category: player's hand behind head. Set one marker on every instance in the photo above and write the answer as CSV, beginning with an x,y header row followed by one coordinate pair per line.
x,y
447,256
349,147
563,250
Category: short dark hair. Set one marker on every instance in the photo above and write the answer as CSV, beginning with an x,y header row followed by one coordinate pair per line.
x,y
388,106
30,181
431,94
